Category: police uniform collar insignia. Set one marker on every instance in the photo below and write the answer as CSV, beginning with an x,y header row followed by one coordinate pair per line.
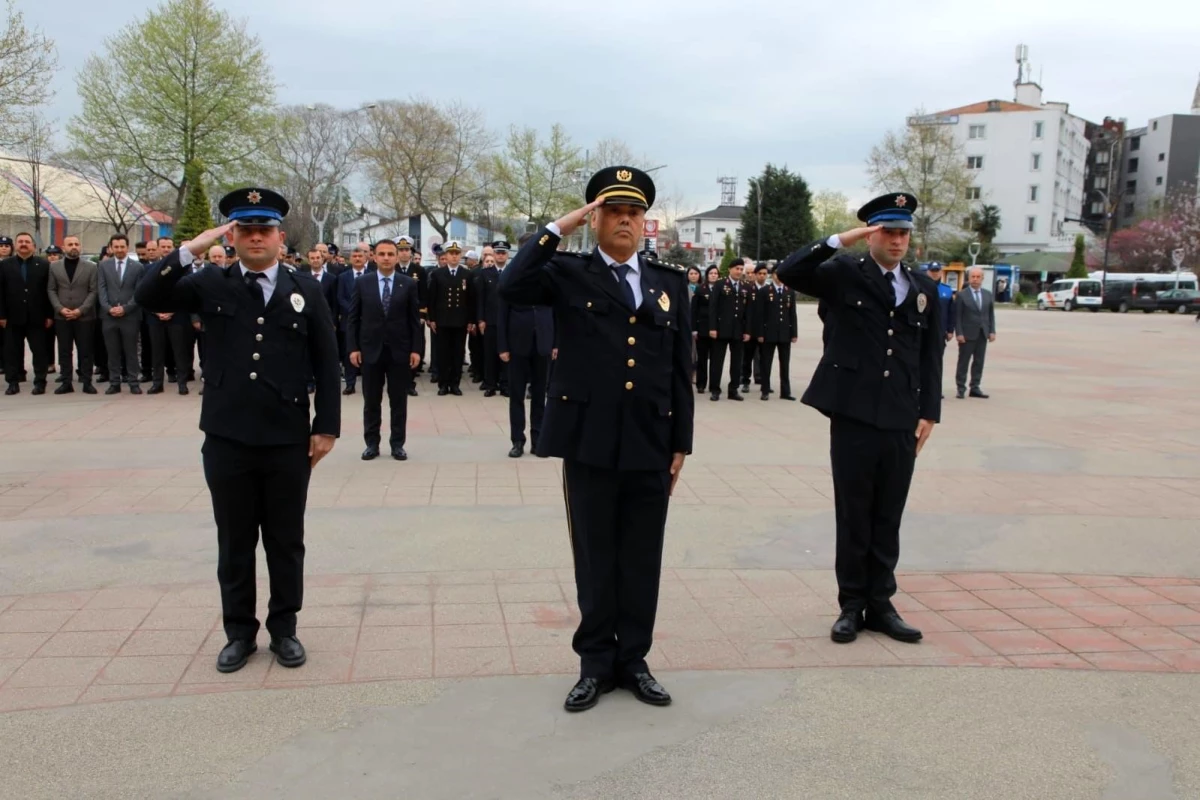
x,y
922,301
297,301
664,302
254,197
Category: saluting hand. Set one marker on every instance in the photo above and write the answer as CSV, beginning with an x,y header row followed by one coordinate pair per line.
x,y
570,223
199,245
856,235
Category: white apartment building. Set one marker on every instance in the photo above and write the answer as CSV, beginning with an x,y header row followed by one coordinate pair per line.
x,y
707,231
1162,157
1028,159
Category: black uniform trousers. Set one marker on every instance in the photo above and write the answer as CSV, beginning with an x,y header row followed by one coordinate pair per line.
x,y
526,371
99,347
475,346
349,371
435,358
146,353
751,361
971,352
75,336
15,337
177,341
766,353
494,374
703,352
451,346
253,489
393,370
616,520
717,365
872,470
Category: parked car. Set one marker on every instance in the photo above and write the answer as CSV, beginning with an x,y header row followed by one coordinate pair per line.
x,y
1071,293
1176,301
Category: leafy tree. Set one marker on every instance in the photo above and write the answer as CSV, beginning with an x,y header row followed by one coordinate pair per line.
x,y
28,60
787,221
985,222
537,180
1078,262
925,161
678,254
957,249
186,82
831,214
197,217
730,255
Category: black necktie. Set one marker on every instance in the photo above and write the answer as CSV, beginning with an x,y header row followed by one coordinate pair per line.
x,y
891,278
622,271
256,295
387,294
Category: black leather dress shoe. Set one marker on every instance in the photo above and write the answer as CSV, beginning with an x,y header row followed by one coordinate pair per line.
x,y
412,391
443,391
647,689
586,693
12,389
786,397
847,626
235,654
715,396
288,651
456,391
349,390
889,624
155,388
113,388
765,396
102,378
399,454
183,388
371,452
135,389
490,393
736,396
960,394
39,387
979,394
89,389
517,451
64,388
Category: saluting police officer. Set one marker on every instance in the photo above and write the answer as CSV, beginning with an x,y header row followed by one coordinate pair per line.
x,y
879,383
619,414
268,329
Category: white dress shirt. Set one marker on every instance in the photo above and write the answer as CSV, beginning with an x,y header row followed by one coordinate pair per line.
x,y
268,285
633,277
391,278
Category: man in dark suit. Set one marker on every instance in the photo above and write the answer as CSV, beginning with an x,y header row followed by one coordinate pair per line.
x,y
25,313
488,314
879,383
121,314
73,287
525,336
974,326
728,330
323,275
268,329
619,414
409,264
451,316
775,330
383,334
751,352
345,296
171,333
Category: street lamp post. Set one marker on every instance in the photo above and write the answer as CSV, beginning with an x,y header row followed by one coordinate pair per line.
x,y
973,248
758,250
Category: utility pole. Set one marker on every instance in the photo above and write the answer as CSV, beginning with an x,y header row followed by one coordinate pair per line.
x,y
758,252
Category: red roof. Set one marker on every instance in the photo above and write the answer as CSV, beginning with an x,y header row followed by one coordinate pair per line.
x,y
985,106
159,216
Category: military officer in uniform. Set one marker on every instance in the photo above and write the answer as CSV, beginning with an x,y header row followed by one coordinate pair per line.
x,y
488,312
268,329
410,265
879,383
451,314
619,414
728,329
774,316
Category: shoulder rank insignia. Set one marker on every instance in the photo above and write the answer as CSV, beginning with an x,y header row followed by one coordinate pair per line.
x,y
165,270
922,302
542,241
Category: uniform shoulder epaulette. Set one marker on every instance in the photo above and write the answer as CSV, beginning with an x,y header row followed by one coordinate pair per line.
x,y
654,262
290,268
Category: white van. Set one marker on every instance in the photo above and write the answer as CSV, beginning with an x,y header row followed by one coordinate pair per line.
x,y
1071,293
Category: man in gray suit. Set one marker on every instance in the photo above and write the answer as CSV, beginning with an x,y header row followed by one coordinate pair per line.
x,y
73,286
121,315
975,326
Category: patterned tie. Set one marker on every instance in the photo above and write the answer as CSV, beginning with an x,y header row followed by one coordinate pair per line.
x,y
387,294
891,278
622,272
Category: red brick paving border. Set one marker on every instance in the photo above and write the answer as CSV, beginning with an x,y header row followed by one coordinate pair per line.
x,y
69,648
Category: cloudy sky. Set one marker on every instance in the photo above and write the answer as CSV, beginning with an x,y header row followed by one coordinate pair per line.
x,y
709,89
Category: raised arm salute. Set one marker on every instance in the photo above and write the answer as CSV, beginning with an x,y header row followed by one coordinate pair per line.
x,y
879,382
619,414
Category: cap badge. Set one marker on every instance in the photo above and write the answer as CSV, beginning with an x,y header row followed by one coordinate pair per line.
x,y
254,197
664,302
901,201
624,175
297,302
922,301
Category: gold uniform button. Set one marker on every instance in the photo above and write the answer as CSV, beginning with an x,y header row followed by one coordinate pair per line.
x,y
632,320
256,356
632,340
253,376
260,320
589,305
629,363
564,397
258,337
628,385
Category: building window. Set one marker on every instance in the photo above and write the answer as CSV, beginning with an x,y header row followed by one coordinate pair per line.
x,y
973,192
1158,181
1035,162
1129,208
1154,125
1162,156
1030,224
1101,182
1156,204
1133,165
1039,128
966,223
1131,187
976,131
1097,207
1102,156
974,162
1135,143
720,230
1033,193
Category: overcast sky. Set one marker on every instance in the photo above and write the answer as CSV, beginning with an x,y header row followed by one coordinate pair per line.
x,y
709,89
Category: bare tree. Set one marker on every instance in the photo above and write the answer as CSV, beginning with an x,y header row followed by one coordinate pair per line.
x,y
538,180
611,152
315,148
35,138
669,208
425,158
27,61
119,185
924,161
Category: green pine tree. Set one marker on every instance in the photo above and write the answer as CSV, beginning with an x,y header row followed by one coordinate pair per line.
x,y
730,255
1078,264
196,216
787,221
